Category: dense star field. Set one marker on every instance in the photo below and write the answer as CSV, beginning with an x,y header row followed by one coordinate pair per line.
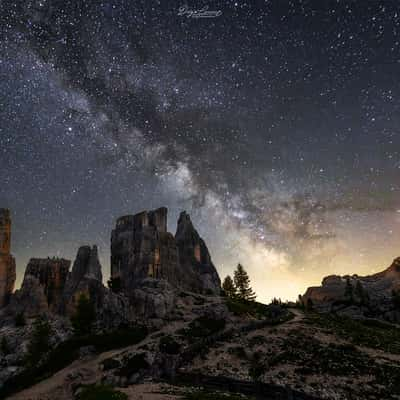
x,y
275,124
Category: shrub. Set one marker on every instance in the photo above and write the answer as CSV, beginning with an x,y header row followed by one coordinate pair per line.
x,y
20,319
251,308
115,284
39,344
256,370
133,365
238,351
204,326
207,395
101,392
169,345
110,363
5,347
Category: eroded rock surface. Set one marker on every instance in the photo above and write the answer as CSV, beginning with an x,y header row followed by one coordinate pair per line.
x,y
141,248
194,255
7,261
85,279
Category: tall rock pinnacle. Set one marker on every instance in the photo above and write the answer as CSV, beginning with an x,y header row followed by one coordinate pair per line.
x,y
194,254
141,248
7,261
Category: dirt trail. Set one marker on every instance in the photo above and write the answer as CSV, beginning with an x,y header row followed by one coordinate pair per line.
x,y
59,385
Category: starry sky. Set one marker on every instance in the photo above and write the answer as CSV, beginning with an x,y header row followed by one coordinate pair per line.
x,y
275,124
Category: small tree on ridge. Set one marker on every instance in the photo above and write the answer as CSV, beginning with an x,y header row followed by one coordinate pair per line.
x,y
229,287
242,284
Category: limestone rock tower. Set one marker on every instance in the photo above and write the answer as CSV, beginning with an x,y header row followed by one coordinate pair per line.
x,y
7,261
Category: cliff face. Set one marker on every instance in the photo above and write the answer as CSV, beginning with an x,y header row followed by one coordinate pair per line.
x,y
7,261
141,248
51,275
194,256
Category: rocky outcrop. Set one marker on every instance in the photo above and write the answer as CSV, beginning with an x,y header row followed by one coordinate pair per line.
x,y
42,288
194,256
153,299
30,300
362,295
85,279
51,274
149,268
141,249
7,261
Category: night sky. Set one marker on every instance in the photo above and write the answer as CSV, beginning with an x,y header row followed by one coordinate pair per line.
x,y
276,125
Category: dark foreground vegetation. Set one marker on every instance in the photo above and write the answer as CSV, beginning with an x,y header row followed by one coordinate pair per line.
x,y
100,392
369,332
67,352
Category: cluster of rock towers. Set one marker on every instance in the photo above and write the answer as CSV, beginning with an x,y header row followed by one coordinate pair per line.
x,y
142,250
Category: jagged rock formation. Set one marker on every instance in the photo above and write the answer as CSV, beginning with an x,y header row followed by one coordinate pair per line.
x,y
149,263
42,288
51,275
372,294
194,255
7,261
85,279
141,248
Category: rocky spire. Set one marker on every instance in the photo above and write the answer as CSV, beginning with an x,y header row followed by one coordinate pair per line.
x,y
85,278
86,266
42,288
7,261
51,274
141,248
194,254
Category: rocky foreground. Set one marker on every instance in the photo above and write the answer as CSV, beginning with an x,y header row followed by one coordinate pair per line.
x,y
214,348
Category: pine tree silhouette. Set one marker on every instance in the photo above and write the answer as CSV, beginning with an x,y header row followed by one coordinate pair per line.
x,y
229,287
242,284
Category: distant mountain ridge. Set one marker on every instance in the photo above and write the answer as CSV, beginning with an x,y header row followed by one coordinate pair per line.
x,y
371,296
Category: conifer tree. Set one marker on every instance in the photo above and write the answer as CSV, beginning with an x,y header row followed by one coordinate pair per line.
x,y
229,287
242,284
5,348
84,317
361,294
39,343
349,292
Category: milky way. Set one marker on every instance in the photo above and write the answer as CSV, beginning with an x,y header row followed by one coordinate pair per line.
x,y
275,124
